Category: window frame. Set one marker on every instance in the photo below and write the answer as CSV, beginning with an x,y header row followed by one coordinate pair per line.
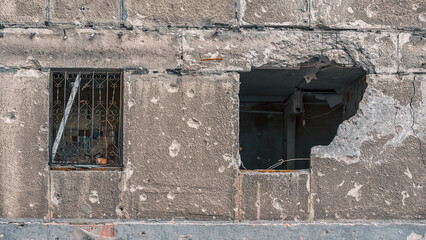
x,y
293,109
80,167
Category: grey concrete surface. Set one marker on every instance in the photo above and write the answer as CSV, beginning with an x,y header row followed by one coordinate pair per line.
x,y
369,14
161,14
85,12
24,139
97,195
275,49
217,230
135,49
275,196
382,178
187,167
181,119
274,13
31,12
412,51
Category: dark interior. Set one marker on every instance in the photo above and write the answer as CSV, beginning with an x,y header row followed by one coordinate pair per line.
x,y
285,112
92,134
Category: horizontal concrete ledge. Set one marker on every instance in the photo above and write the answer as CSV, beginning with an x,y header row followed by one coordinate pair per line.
x,y
167,27
17,229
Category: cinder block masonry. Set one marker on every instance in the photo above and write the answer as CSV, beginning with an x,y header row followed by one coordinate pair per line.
x,y
181,65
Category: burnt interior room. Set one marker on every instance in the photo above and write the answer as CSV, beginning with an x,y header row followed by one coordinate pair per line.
x,y
285,112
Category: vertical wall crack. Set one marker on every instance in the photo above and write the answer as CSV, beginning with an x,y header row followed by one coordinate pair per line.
x,y
308,9
47,10
413,121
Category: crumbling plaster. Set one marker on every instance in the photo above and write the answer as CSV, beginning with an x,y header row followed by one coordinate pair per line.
x,y
379,155
181,113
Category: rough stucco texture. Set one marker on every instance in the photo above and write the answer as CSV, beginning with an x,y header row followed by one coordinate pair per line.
x,y
275,13
23,11
82,12
275,196
190,13
181,118
369,14
412,52
242,51
374,168
24,141
84,194
160,14
179,163
136,49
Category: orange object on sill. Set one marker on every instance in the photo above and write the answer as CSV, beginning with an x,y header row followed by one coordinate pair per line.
x,y
211,59
101,161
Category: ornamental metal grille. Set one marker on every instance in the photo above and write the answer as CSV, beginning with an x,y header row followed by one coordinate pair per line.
x,y
92,132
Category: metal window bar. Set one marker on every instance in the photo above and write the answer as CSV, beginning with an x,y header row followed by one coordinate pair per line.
x,y
92,135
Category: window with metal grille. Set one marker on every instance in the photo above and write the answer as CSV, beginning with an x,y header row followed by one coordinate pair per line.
x,y
85,119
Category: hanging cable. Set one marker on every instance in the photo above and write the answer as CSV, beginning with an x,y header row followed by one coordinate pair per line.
x,y
320,115
281,161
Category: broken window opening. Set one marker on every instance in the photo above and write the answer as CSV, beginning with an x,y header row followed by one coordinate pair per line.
x,y
285,112
91,134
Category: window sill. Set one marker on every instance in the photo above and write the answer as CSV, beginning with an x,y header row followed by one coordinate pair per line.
x,y
84,168
271,171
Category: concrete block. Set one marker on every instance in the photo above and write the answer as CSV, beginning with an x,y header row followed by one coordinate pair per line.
x,y
82,12
191,13
412,52
181,146
404,89
274,13
375,52
275,196
250,48
24,109
393,191
31,12
374,167
366,14
135,49
85,194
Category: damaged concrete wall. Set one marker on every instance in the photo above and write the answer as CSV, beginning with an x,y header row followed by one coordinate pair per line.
x,y
24,143
179,163
375,166
83,195
274,196
181,113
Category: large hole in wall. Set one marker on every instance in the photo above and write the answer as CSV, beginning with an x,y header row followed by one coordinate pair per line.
x,y
285,112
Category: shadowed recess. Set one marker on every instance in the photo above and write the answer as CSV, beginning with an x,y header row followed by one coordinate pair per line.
x,y
285,112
